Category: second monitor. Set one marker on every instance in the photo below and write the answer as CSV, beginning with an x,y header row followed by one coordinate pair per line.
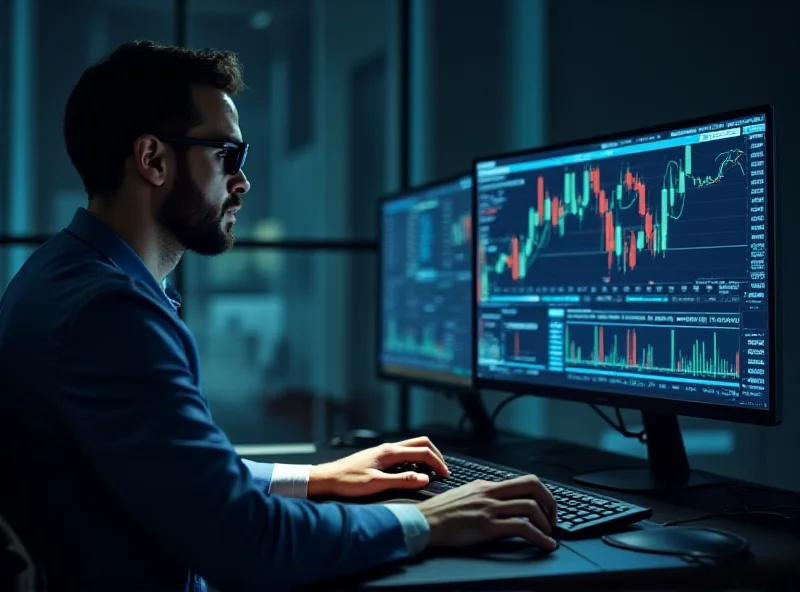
x,y
425,279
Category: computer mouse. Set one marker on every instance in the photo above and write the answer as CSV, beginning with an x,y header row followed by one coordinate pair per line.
x,y
517,544
415,467
508,549
687,541
358,438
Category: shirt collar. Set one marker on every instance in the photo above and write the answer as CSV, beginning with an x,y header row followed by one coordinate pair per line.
x,y
93,231
173,295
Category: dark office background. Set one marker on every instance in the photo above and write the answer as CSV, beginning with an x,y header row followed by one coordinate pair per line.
x,y
286,332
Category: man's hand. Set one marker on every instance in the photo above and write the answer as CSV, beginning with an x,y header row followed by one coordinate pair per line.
x,y
481,511
363,473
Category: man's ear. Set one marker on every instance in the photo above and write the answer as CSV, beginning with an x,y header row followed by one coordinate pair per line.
x,y
151,159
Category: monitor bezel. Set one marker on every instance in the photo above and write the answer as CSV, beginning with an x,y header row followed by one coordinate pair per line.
x,y
766,417
381,371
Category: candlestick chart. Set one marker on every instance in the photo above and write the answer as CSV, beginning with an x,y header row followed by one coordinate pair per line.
x,y
661,216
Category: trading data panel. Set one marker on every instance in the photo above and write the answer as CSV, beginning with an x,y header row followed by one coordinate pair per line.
x,y
636,267
426,279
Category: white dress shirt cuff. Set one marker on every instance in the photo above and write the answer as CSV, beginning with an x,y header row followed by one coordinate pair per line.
x,y
416,530
290,480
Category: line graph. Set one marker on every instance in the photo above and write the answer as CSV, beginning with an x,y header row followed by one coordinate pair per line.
x,y
620,217
726,160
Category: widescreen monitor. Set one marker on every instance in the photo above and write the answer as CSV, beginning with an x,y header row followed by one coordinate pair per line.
x,y
636,270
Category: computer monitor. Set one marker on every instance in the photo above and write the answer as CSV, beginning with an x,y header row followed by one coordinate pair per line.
x,y
425,283
636,270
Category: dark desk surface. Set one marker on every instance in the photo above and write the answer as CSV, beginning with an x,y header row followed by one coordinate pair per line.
x,y
775,542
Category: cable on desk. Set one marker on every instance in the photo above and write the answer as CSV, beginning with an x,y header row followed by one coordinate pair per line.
x,y
743,488
740,492
788,513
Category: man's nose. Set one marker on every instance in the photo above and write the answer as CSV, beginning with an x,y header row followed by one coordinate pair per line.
x,y
240,184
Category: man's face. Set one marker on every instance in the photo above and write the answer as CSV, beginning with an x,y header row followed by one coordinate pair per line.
x,y
200,206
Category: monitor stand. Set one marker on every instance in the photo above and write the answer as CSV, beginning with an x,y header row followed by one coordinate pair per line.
x,y
668,463
482,430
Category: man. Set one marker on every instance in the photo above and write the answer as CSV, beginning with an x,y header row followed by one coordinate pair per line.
x,y
114,473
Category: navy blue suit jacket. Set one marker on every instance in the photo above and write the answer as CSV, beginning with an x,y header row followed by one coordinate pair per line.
x,y
113,471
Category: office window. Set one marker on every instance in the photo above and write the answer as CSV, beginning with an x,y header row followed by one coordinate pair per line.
x,y
286,349
316,164
298,56
5,96
49,43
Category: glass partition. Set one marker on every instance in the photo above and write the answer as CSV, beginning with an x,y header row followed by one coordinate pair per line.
x,y
286,342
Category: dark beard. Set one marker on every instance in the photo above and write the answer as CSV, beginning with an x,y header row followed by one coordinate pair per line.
x,y
195,223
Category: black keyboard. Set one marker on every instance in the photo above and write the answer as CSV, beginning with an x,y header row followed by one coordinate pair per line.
x,y
581,513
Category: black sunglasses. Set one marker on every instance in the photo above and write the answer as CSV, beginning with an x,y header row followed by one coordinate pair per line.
x,y
233,159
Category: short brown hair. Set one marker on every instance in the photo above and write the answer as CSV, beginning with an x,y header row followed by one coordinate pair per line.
x,y
141,87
